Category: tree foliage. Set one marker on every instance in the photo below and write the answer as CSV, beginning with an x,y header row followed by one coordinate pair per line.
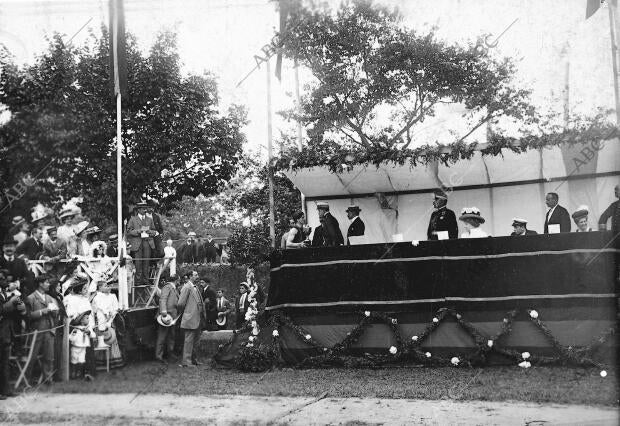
x,y
368,66
62,127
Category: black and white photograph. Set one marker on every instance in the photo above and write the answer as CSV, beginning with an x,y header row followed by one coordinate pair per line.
x,y
309,212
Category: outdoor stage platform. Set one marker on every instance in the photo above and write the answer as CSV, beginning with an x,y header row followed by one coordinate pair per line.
x,y
455,295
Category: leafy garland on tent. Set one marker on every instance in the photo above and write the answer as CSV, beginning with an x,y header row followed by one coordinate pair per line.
x,y
256,356
337,157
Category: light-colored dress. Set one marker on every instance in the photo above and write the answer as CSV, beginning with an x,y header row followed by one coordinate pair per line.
x,y
105,307
79,336
170,259
474,233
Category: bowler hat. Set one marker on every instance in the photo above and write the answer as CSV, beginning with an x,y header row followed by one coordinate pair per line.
x,y
353,208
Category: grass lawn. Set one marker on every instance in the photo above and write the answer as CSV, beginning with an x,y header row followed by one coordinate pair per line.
x,y
537,384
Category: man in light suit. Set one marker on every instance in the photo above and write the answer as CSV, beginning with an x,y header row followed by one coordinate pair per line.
x,y
194,315
42,314
141,231
556,215
168,310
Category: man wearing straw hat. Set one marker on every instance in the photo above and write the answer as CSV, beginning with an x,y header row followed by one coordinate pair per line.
x,y
166,329
141,231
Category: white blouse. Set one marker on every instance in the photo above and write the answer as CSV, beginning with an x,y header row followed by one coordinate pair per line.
x,y
474,233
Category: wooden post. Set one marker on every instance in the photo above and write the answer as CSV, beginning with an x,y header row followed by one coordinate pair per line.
x,y
64,356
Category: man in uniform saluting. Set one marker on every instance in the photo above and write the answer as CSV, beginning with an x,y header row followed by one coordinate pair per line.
x,y
442,219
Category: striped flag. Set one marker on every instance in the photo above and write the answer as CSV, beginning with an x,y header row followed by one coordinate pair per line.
x,y
118,51
284,10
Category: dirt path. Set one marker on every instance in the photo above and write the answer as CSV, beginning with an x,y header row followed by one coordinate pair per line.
x,y
48,408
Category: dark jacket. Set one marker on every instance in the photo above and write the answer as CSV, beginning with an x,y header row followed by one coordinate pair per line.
x,y
210,250
18,269
332,236
527,232
8,315
30,248
612,211
317,237
442,219
356,228
560,217
188,253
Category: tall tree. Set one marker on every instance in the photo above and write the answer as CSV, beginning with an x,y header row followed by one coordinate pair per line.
x,y
62,127
369,66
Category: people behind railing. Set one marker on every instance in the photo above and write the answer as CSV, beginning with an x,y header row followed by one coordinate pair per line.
x,y
443,224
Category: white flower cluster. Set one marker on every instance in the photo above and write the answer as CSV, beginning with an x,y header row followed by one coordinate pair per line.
x,y
455,361
470,210
252,312
525,363
393,350
533,314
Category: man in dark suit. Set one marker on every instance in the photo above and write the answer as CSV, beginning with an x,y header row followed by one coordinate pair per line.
x,y
11,310
17,267
242,303
42,314
357,226
332,236
157,239
192,305
613,212
442,219
211,249
112,249
32,247
189,251
556,215
141,231
209,296
317,237
520,227
168,310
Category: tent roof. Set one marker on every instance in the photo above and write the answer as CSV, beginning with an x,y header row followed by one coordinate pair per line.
x,y
508,168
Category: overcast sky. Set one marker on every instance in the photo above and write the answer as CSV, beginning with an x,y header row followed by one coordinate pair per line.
x,y
222,36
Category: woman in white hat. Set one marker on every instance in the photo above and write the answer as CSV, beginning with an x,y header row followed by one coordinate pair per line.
x,y
580,216
472,219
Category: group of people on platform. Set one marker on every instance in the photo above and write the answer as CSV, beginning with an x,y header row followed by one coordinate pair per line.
x,y
443,223
189,304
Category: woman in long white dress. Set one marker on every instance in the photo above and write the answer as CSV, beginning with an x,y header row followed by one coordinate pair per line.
x,y
472,219
105,307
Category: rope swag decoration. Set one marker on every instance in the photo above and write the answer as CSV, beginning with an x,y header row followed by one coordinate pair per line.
x,y
256,356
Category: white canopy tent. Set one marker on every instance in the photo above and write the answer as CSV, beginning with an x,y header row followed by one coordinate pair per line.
x,y
397,199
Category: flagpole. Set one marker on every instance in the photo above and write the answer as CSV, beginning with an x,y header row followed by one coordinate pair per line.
x,y
614,55
122,283
300,145
272,221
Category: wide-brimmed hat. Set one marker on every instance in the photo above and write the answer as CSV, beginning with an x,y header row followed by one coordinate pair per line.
x,y
322,205
17,220
50,229
93,230
471,213
517,221
78,319
191,234
165,320
81,227
142,204
353,208
582,211
113,237
38,215
66,213
246,285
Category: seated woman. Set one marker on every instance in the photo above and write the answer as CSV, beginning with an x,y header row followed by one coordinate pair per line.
x,y
296,236
105,308
471,218
581,219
